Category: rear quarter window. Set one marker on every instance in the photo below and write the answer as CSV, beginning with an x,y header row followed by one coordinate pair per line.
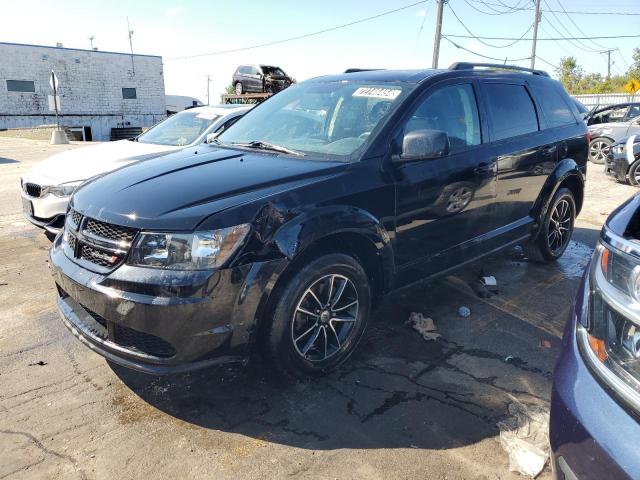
x,y
511,110
555,107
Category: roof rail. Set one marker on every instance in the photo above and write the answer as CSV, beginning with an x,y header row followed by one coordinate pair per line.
x,y
355,70
498,66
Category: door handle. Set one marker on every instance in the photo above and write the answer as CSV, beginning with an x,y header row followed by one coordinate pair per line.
x,y
484,168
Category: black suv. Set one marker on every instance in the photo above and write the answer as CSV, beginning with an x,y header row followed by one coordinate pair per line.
x,y
260,79
285,230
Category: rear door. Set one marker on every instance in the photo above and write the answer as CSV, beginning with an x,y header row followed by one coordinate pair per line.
x,y
444,202
522,152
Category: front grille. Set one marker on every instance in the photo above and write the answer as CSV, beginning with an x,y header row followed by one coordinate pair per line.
x,y
102,244
133,339
33,189
110,231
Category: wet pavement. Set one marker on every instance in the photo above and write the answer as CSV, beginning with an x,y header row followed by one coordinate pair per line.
x,y
400,408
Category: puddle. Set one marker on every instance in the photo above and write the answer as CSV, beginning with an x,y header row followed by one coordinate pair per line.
x,y
575,259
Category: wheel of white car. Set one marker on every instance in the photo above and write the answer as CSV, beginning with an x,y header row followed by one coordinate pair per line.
x,y
598,149
238,88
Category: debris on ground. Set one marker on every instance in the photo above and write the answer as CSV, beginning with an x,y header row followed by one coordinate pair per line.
x,y
2,284
40,363
524,436
424,325
464,312
485,286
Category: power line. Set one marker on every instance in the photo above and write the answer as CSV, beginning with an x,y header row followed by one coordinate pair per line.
x,y
547,62
578,28
505,60
482,41
577,43
554,39
299,37
489,13
625,14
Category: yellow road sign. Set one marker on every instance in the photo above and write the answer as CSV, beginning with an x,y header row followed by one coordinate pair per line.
x,y
632,86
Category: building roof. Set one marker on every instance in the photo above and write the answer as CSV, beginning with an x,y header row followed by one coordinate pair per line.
x,y
76,49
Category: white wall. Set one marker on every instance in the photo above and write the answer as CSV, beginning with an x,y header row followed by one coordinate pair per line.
x,y
90,88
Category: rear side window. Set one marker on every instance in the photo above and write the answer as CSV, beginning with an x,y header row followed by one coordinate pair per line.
x,y
511,110
555,108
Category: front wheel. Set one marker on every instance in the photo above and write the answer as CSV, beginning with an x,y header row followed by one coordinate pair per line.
x,y
598,149
239,88
320,316
634,174
555,230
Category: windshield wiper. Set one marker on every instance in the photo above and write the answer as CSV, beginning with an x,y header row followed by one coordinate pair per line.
x,y
259,145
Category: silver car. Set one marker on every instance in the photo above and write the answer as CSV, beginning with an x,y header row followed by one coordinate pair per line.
x,y
619,121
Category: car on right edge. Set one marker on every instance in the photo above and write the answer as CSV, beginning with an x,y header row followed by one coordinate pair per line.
x,y
595,404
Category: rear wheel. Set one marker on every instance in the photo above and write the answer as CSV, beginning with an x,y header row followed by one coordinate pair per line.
x,y
239,88
555,230
319,316
598,149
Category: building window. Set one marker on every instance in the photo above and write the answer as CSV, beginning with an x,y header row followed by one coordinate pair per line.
x,y
129,93
21,86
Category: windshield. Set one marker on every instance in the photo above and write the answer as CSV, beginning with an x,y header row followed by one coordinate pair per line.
x,y
180,129
329,120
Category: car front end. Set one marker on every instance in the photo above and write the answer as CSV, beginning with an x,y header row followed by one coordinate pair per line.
x,y
620,157
595,402
45,205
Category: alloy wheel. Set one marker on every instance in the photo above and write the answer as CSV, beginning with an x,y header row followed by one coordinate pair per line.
x,y
325,317
559,226
598,151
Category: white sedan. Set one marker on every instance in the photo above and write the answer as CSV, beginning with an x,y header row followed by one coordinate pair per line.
x,y
47,187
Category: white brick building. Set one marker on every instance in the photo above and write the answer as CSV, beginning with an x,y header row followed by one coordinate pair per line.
x,y
100,90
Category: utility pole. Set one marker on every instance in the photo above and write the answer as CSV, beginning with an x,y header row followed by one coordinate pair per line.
x,y
133,67
208,81
91,40
536,21
438,36
608,52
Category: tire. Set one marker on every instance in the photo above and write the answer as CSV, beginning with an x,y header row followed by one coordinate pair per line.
x,y
633,177
598,148
548,246
308,338
239,88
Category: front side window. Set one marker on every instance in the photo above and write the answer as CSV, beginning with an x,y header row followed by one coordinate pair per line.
x,y
453,110
610,115
634,111
329,120
511,110
181,129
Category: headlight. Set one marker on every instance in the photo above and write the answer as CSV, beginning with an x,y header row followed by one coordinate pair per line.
x,y
64,190
188,251
611,343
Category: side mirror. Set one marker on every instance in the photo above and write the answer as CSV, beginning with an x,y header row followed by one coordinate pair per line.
x,y
211,137
422,145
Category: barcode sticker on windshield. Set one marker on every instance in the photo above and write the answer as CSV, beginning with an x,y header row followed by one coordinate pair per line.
x,y
377,92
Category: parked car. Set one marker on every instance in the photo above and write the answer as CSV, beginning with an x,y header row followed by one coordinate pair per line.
x,y
623,160
47,187
284,232
608,125
260,79
595,400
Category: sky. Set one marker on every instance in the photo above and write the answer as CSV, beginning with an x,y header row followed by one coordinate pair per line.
x,y
404,39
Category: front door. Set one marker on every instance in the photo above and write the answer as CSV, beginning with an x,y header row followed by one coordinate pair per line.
x,y
444,202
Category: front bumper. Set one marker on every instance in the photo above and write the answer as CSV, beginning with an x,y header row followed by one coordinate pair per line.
x,y
161,322
45,212
616,166
591,435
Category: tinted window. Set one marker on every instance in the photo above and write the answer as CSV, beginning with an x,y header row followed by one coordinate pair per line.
x,y
20,86
555,108
511,110
452,110
610,115
129,93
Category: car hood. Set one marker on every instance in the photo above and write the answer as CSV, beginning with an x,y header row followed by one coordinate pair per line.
x,y
179,191
84,163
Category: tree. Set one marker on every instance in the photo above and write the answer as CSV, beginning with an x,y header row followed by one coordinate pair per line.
x,y
634,70
570,73
229,90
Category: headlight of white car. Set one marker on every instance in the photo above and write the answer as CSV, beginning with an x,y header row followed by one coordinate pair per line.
x,y
63,190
